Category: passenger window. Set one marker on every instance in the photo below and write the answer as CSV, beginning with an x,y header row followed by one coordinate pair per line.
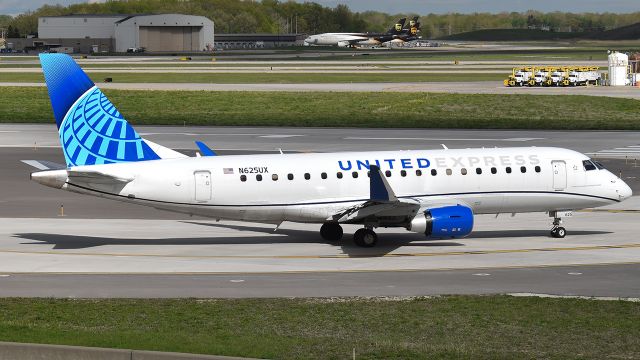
x,y
259,177
388,173
243,178
274,177
403,173
290,176
339,175
523,169
434,172
307,176
463,171
418,172
588,165
323,175
449,172
494,170
478,171
354,174
537,169
508,170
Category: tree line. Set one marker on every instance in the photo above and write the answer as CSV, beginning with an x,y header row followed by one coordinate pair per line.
x,y
273,16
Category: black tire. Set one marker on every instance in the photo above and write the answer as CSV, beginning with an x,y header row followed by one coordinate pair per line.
x,y
559,232
331,232
365,238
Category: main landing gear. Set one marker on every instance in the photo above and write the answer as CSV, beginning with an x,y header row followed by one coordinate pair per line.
x,y
364,237
331,232
557,231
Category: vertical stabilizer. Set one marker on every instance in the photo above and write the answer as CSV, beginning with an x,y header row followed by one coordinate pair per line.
x,y
92,131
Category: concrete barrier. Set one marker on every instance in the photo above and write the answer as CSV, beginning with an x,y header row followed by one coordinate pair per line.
x,y
24,351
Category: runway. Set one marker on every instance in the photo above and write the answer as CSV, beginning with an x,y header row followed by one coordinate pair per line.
x,y
108,249
616,281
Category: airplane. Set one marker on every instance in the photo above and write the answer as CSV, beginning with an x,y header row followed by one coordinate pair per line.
x,y
437,193
407,34
355,39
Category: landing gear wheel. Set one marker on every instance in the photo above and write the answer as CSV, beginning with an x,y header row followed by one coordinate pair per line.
x,y
331,232
365,238
558,232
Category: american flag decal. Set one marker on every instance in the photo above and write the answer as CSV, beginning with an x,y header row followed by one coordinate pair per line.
x,y
227,171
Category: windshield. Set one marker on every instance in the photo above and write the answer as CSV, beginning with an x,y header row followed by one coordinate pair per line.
x,y
588,165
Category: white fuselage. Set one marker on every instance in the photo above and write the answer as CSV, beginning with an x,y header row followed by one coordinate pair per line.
x,y
336,39
293,187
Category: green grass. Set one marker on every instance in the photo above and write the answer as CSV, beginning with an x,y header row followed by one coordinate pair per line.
x,y
469,327
259,78
327,109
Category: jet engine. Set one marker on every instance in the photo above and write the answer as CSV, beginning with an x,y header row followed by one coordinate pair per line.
x,y
343,44
444,222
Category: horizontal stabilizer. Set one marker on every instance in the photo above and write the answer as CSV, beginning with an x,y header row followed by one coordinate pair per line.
x,y
97,177
44,165
204,149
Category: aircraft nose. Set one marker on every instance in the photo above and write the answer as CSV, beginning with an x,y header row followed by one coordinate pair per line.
x,y
624,191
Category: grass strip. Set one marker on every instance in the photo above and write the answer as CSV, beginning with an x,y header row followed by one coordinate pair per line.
x,y
327,109
470,327
265,78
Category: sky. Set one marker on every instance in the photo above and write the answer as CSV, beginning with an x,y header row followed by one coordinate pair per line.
x,y
14,7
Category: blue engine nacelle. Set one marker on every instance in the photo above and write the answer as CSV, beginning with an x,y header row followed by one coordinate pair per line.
x,y
444,222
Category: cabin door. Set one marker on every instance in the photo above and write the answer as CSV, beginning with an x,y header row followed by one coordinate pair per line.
x,y
559,174
203,186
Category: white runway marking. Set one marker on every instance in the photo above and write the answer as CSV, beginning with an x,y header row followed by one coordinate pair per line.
x,y
632,151
439,139
279,136
236,281
574,273
481,274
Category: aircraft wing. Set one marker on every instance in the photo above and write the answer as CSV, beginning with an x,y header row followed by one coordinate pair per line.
x,y
382,203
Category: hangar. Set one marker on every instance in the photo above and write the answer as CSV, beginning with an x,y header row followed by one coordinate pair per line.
x,y
166,32
158,33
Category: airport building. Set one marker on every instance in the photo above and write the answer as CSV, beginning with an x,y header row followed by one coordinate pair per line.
x,y
258,41
108,33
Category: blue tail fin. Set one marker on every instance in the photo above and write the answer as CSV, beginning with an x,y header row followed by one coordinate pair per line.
x,y
91,129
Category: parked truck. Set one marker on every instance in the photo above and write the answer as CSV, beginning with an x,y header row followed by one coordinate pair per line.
x,y
584,76
520,77
542,77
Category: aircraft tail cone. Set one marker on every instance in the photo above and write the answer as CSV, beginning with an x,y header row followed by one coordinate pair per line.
x,y
51,178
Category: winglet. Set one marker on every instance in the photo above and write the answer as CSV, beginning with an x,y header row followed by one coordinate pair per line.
x,y
204,149
379,189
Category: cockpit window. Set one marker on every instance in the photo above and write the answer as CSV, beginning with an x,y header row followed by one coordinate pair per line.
x,y
588,165
599,165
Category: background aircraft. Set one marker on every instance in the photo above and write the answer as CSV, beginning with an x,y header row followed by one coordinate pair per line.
x,y
356,39
437,193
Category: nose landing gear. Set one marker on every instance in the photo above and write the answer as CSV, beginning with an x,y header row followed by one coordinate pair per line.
x,y
557,231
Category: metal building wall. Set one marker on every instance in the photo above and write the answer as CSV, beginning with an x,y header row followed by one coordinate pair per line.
x,y
78,27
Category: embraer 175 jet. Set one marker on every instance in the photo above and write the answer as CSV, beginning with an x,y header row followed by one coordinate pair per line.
x,y
432,192
355,39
